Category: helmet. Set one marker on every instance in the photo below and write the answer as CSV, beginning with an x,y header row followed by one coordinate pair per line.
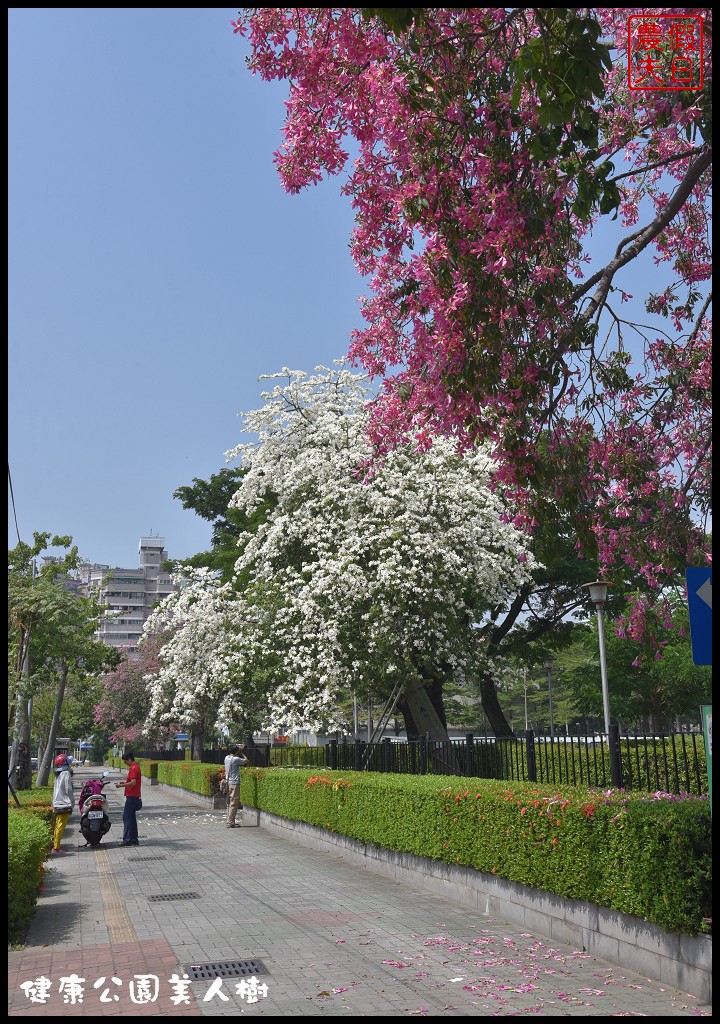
x,y
61,760
70,759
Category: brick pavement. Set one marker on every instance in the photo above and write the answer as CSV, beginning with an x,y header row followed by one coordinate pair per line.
x,y
335,940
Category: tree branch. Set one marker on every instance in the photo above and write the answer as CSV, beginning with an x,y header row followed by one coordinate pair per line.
x,y
644,237
659,163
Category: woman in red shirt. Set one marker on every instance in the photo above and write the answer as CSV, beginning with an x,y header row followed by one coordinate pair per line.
x,y
133,803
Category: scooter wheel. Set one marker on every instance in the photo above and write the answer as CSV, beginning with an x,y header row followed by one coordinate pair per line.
x,y
95,840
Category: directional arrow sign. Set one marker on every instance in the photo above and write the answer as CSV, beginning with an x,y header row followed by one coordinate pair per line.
x,y
699,588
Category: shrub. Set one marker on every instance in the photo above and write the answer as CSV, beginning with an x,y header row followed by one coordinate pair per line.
x,y
646,854
37,801
28,845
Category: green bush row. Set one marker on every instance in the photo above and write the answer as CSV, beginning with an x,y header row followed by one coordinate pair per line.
x,y
37,800
638,853
29,842
194,776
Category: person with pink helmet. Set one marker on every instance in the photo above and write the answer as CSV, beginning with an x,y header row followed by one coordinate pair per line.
x,y
63,798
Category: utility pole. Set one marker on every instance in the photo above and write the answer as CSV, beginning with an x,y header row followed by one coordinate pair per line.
x,y
549,670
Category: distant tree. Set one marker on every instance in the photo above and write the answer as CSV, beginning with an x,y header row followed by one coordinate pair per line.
x,y
211,500
70,647
651,675
121,710
76,717
51,633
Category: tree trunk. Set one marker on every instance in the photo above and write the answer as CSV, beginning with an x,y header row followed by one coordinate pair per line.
x,y
43,773
19,768
423,700
197,741
491,706
419,703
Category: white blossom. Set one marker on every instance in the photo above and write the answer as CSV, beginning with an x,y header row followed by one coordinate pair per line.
x,y
353,581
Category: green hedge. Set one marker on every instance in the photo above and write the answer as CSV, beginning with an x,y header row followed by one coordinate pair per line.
x,y
637,853
37,801
29,842
194,776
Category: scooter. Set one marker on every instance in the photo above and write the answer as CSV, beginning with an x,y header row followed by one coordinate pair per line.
x,y
94,820
90,787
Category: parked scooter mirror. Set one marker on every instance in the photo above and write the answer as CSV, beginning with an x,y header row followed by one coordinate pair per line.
x,y
105,774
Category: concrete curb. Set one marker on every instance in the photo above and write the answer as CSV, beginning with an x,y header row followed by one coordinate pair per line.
x,y
683,961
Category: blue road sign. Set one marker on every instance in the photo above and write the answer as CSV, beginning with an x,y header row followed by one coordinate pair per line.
x,y
699,588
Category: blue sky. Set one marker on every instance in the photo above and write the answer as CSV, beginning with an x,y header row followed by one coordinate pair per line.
x,y
156,268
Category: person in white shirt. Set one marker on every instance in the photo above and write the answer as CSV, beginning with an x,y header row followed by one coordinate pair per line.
x,y
234,759
63,799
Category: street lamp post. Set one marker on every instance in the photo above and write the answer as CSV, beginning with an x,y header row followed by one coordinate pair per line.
x,y
549,670
598,595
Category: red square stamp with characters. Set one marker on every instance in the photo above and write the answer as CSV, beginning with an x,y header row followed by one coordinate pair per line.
x,y
665,51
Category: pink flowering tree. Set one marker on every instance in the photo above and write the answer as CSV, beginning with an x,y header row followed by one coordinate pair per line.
x,y
491,147
124,708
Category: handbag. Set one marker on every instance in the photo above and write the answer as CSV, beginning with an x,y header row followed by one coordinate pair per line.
x,y
223,787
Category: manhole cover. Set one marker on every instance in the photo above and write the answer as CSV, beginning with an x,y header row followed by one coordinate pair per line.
x,y
166,897
226,969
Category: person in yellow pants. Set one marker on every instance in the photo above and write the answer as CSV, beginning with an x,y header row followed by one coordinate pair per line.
x,y
63,798
60,822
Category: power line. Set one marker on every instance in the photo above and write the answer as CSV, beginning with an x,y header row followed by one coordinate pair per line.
x,y
12,498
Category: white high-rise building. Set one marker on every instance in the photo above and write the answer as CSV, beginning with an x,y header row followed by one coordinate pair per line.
x,y
128,594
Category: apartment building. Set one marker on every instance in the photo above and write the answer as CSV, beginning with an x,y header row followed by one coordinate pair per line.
x,y
128,594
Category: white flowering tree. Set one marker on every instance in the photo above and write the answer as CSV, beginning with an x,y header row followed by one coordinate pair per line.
x,y
196,682
352,581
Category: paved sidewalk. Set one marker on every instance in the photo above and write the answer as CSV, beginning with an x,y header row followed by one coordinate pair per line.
x,y
334,940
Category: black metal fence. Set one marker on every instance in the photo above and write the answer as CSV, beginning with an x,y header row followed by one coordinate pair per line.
x,y
673,763
258,756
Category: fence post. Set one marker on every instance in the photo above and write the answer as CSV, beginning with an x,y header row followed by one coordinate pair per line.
x,y
387,754
615,759
358,755
423,755
530,755
333,754
470,755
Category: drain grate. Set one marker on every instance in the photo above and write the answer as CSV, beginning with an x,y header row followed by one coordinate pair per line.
x,y
134,860
226,969
167,897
